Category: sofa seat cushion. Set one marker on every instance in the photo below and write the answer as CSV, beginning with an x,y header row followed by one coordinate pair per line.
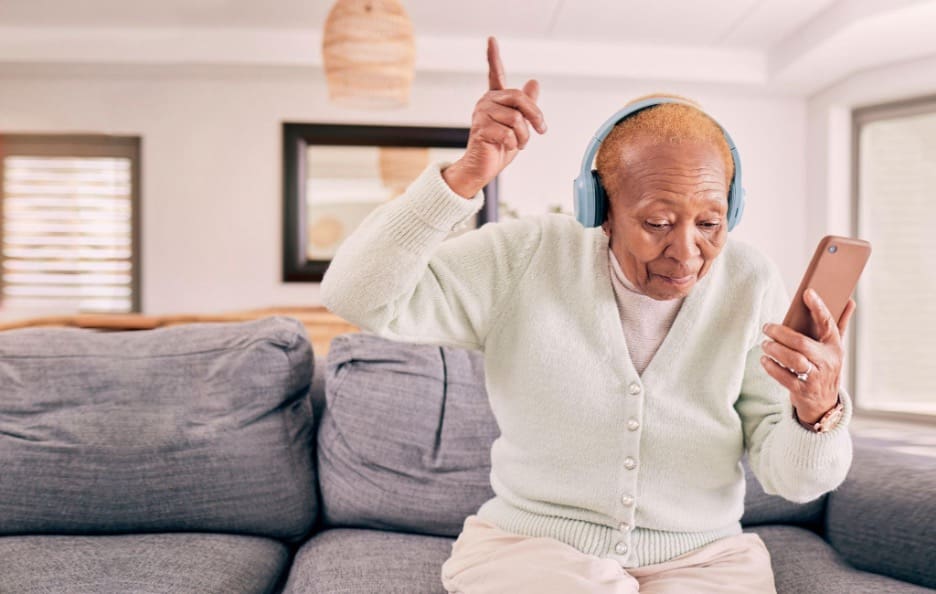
x,y
354,560
803,562
404,441
199,427
141,563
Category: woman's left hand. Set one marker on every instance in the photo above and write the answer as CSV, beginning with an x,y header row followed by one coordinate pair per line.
x,y
791,353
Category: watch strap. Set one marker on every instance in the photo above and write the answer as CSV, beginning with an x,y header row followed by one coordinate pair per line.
x,y
828,421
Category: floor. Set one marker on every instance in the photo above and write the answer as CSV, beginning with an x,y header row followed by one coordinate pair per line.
x,y
910,438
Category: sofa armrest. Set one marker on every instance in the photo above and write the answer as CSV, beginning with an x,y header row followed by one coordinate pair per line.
x,y
883,517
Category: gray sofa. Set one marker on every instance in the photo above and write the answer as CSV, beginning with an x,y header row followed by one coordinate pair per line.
x,y
229,458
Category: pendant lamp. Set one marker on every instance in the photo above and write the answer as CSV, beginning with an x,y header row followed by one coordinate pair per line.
x,y
400,165
368,53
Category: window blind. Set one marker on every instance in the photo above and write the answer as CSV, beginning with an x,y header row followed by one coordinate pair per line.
x,y
897,206
67,234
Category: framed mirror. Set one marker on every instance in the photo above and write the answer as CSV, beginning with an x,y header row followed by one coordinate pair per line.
x,y
334,175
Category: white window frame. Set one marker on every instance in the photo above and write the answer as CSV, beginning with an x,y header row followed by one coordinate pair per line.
x,y
86,145
859,333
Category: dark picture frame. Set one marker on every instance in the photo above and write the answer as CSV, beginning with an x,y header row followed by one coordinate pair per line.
x,y
297,137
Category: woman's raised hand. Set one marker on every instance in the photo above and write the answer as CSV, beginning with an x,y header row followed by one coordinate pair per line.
x,y
500,127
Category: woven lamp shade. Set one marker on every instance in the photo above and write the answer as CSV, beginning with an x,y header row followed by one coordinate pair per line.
x,y
369,53
399,166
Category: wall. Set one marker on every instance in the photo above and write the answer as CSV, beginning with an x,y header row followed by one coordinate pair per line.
x,y
829,138
211,160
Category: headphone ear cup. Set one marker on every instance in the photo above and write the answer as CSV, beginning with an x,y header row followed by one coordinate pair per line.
x,y
601,199
740,210
584,190
735,205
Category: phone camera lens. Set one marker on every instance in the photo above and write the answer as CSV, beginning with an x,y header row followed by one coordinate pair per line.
x,y
833,249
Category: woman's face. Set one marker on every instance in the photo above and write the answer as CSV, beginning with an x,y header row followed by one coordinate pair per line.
x,y
667,220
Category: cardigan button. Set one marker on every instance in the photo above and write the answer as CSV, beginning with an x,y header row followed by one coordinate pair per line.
x,y
634,388
633,425
627,500
620,548
623,526
630,463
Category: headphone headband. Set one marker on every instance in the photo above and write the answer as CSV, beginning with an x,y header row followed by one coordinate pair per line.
x,y
589,194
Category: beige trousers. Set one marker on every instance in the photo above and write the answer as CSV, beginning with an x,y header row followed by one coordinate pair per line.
x,y
488,560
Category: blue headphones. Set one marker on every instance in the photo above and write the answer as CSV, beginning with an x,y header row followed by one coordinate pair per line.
x,y
591,202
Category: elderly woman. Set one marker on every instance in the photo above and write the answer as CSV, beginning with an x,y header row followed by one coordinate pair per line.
x,y
629,365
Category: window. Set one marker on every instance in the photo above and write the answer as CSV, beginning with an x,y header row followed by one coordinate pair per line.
x,y
69,224
895,348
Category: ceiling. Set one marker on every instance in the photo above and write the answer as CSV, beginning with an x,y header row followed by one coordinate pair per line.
x,y
796,45
729,23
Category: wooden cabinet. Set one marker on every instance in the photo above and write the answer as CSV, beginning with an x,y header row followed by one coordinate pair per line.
x,y
321,324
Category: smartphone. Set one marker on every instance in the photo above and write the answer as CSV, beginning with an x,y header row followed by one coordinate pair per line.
x,y
833,273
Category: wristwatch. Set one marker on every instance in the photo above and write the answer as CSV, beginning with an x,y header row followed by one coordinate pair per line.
x,y
828,420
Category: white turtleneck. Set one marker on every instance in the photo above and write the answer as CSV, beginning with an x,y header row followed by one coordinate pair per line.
x,y
645,320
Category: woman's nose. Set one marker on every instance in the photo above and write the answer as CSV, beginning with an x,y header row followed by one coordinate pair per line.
x,y
684,246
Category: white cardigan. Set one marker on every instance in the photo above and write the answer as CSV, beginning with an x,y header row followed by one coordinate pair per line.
x,y
638,468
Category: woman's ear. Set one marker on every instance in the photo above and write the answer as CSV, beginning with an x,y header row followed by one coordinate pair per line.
x,y
606,228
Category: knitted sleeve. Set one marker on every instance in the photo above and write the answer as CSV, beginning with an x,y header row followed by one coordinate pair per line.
x,y
399,277
787,459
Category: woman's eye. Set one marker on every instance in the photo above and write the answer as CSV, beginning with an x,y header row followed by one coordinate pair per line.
x,y
711,224
657,225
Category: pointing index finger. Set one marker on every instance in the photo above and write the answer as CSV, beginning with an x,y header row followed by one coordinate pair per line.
x,y
496,77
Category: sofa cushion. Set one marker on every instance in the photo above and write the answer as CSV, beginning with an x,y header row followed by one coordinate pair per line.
x,y
803,562
317,390
352,561
883,517
404,442
142,564
761,508
201,427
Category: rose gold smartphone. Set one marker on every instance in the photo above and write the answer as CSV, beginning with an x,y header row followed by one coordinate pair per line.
x,y
833,272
